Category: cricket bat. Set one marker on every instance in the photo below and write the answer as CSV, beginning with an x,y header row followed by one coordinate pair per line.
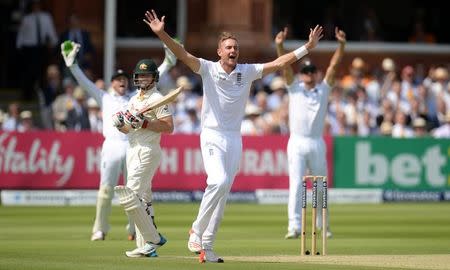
x,y
162,101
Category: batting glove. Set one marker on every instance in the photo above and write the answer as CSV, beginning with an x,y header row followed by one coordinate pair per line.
x,y
118,120
135,121
69,50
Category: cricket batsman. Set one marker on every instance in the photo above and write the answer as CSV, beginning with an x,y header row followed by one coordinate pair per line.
x,y
143,156
115,145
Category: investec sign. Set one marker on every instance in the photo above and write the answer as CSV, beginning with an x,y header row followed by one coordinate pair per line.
x,y
403,164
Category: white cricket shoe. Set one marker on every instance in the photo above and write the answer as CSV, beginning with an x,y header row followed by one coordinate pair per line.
x,y
207,255
136,253
149,249
292,234
98,236
194,243
329,234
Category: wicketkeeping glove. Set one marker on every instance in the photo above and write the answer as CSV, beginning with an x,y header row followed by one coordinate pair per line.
x,y
169,56
118,120
69,52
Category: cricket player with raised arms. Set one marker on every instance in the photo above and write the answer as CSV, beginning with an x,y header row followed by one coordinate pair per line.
x,y
308,103
226,87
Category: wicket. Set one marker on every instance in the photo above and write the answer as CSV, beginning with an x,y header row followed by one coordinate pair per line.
x,y
314,179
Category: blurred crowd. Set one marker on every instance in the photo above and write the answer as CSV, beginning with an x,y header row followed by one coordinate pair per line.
x,y
401,102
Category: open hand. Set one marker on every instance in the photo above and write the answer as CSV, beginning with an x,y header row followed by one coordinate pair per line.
x,y
314,36
281,36
153,21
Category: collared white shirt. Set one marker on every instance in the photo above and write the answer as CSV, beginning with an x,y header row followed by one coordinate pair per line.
x,y
225,95
307,109
109,101
138,102
27,34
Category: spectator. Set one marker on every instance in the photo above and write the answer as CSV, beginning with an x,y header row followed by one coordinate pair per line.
x,y
26,122
278,88
394,94
386,129
375,86
78,117
441,111
249,125
95,115
428,101
186,100
400,128
420,35
35,37
444,130
357,75
420,127
261,101
408,85
12,119
191,124
81,36
52,87
62,104
440,84
366,125
371,29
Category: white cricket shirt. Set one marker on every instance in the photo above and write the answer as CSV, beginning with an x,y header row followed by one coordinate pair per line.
x,y
225,95
110,102
143,136
307,109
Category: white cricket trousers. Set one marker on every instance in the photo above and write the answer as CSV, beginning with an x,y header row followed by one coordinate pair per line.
x,y
113,162
112,165
142,163
221,152
304,153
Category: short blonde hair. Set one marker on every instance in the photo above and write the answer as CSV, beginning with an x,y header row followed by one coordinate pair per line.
x,y
224,36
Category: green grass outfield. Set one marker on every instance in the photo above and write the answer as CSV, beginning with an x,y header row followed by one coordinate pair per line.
x,y
385,236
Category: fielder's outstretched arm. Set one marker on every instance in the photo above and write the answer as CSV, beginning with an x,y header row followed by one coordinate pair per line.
x,y
287,59
157,26
288,73
330,75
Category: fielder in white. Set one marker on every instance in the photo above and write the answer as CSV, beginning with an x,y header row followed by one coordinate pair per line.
x,y
308,100
116,143
226,87
143,156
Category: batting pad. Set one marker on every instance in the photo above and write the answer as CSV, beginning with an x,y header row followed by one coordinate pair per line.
x,y
104,197
135,210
